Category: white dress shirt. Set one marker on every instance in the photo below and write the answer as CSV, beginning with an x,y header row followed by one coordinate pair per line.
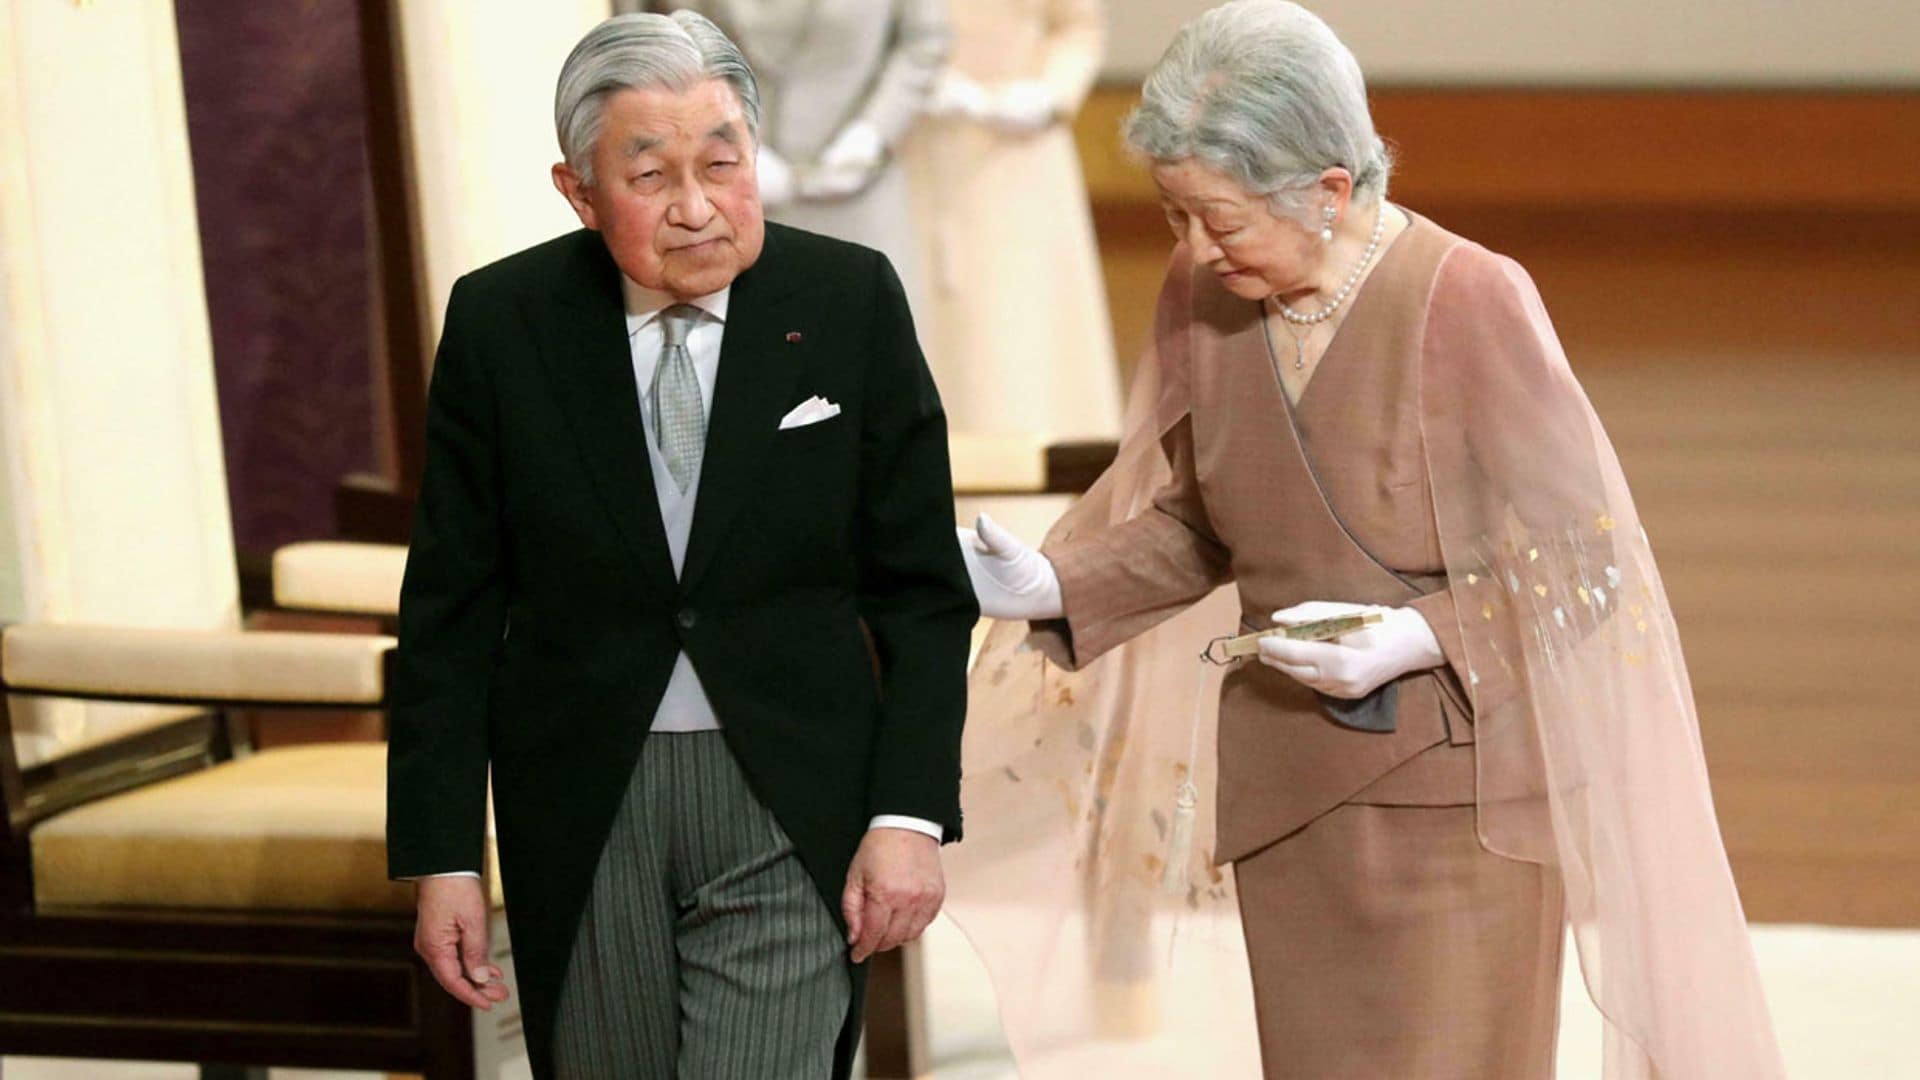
x,y
684,706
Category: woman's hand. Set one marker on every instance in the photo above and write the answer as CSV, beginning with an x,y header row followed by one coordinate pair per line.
x,y
1359,663
846,165
957,95
1023,107
1010,579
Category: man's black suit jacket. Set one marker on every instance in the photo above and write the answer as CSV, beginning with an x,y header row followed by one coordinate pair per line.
x,y
540,616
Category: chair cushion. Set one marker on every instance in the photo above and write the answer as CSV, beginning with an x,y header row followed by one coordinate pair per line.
x,y
331,575
196,665
997,462
296,829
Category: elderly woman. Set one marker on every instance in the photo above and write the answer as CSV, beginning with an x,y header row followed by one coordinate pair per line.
x,y
1348,411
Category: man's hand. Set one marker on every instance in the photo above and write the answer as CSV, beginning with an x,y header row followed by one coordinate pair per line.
x,y
1355,664
451,936
1010,580
894,889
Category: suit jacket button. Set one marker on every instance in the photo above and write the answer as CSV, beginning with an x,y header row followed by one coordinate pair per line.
x,y
686,618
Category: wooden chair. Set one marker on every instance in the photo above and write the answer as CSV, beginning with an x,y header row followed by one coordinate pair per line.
x,y
171,895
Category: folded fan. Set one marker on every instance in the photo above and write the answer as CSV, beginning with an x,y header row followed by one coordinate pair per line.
x,y
1233,648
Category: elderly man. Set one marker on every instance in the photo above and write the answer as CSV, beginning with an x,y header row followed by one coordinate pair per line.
x,y
677,461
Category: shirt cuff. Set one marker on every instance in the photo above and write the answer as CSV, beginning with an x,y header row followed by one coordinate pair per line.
x,y
449,873
912,824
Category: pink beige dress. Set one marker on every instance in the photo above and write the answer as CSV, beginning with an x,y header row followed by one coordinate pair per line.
x,y
1401,872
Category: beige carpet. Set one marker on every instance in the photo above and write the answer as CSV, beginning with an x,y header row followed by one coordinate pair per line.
x,y
1841,998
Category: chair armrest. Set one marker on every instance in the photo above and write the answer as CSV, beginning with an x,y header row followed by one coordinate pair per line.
x,y
1072,467
998,464
338,577
1024,463
201,667
370,508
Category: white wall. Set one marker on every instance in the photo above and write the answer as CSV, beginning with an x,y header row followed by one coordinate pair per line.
x,y
1586,42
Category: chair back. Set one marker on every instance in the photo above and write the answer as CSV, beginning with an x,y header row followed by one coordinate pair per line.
x,y
113,495
456,110
475,85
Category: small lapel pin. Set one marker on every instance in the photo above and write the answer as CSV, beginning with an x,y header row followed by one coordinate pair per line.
x,y
793,337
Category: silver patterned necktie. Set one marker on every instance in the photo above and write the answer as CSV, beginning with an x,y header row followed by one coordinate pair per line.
x,y
679,419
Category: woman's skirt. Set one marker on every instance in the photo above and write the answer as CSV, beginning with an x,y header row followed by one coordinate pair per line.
x,y
1386,943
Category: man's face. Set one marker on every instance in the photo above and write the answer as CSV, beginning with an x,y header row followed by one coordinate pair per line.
x,y
674,194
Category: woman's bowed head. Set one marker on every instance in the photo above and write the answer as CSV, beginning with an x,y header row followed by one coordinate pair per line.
x,y
1256,128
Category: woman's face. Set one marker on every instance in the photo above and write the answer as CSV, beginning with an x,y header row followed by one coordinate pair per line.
x,y
1234,233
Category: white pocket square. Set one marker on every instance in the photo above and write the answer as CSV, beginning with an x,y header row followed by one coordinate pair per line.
x,y
811,411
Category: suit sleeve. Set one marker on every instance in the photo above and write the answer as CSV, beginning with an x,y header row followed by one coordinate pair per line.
x,y
1437,608
452,615
1121,581
913,590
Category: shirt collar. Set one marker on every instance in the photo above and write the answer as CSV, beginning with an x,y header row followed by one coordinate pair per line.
x,y
644,305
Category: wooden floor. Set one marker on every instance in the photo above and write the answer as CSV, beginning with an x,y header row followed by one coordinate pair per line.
x,y
1761,381
1784,507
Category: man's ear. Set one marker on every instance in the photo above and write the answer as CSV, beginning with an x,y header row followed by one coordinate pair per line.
x,y
569,185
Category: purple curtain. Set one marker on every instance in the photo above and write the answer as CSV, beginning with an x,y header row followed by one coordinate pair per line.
x,y
275,115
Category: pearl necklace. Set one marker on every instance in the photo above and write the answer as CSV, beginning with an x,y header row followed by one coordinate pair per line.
x,y
1308,321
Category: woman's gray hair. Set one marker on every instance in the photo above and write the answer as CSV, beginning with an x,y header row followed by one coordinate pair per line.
x,y
1263,91
643,52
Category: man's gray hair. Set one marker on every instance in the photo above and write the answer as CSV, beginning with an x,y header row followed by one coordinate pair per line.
x,y
643,52
1263,91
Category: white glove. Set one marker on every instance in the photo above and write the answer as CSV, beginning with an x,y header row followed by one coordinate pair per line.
x,y
776,178
1010,579
957,95
846,164
1023,107
1359,663
858,146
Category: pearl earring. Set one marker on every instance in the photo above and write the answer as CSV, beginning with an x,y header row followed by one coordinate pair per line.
x,y
1326,226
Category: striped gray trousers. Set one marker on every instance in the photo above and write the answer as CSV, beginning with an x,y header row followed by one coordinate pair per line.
x,y
705,951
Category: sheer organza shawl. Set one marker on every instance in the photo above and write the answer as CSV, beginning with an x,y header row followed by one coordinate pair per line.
x,y
1071,780
1589,752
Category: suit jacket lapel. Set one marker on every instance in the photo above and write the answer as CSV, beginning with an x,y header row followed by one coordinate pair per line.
x,y
758,369
590,366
